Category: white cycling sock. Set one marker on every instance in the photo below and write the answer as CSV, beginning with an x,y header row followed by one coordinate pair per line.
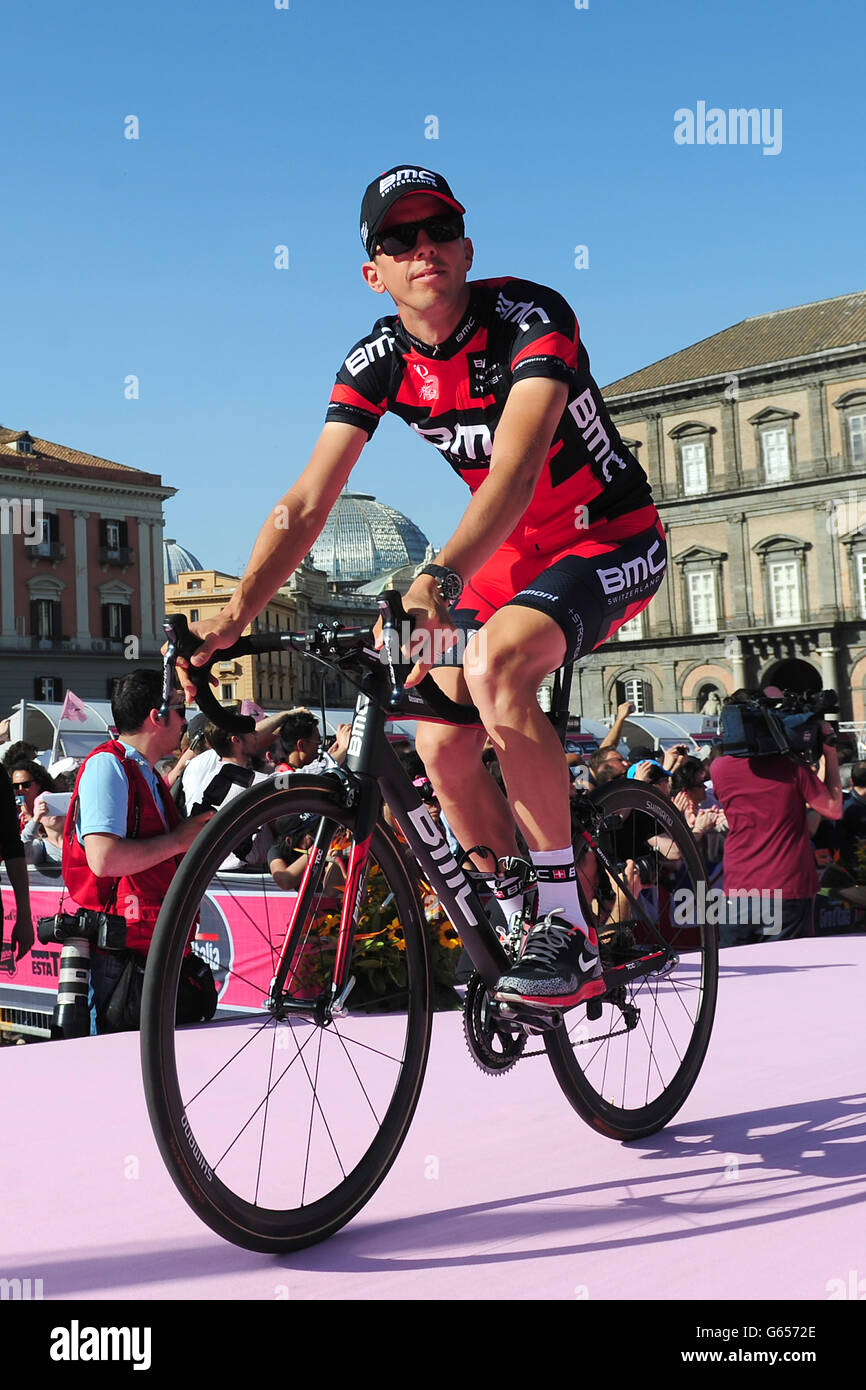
x,y
557,885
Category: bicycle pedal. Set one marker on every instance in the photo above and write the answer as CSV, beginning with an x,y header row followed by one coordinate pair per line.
x,y
530,1020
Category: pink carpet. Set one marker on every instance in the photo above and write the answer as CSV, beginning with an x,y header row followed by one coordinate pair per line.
x,y
755,1191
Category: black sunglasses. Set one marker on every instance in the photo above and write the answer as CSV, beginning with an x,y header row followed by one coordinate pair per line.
x,y
22,786
404,236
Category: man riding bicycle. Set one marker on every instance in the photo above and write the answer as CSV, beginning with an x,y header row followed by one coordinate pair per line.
x,y
559,546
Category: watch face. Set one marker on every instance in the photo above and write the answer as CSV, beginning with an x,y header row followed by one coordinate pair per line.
x,y
451,585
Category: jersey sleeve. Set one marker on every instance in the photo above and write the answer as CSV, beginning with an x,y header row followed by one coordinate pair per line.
x,y
360,392
543,331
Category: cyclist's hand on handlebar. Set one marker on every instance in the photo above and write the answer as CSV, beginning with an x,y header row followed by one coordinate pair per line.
x,y
431,617
216,635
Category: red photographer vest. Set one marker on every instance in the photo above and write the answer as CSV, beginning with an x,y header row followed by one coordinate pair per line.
x,y
137,897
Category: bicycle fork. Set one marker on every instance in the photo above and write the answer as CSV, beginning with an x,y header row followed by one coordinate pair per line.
x,y
331,1004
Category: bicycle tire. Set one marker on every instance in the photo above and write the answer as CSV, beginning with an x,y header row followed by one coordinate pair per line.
x,y
590,1058
192,1145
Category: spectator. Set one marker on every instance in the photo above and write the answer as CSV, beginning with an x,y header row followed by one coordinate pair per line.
x,y
29,780
853,825
605,764
20,752
12,853
128,837
300,743
42,836
766,801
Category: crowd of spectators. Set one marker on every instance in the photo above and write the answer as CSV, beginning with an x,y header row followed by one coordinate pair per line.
x,y
755,819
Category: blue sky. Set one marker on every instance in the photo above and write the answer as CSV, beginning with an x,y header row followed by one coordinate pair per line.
x,y
260,127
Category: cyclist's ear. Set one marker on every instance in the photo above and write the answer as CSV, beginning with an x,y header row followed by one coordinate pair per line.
x,y
468,252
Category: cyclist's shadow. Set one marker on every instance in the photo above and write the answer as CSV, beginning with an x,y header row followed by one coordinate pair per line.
x,y
753,1169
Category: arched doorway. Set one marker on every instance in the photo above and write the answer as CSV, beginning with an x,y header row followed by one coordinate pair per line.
x,y
792,675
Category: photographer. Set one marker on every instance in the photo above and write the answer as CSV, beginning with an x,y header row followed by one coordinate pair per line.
x,y
766,799
123,838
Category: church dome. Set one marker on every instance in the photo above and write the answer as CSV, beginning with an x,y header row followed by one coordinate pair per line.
x,y
176,559
363,538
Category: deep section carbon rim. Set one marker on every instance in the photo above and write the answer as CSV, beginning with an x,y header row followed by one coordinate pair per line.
x,y
628,1070
277,1125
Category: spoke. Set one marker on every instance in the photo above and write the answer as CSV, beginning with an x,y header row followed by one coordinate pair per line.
x,y
264,1099
357,1077
265,1118
227,1063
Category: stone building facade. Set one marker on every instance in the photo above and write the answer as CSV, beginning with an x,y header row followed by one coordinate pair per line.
x,y
81,570
754,441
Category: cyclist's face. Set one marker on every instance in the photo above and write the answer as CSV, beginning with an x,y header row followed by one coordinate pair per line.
x,y
432,274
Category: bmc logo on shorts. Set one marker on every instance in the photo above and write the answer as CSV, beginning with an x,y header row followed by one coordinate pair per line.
x,y
632,572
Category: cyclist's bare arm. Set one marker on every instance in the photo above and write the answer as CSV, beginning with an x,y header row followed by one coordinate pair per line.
x,y
523,436
286,536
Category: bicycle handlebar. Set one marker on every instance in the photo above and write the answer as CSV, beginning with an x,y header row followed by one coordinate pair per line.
x,y
325,643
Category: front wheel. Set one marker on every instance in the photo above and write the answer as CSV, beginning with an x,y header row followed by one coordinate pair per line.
x,y
628,1062
278,1121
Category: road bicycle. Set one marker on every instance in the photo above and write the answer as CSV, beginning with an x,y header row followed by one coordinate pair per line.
x,y
279,1119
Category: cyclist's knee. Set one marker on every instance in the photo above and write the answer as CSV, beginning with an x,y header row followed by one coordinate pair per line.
x,y
447,750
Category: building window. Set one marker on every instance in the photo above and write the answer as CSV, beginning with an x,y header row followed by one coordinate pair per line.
x,y
193,615
638,691
861,582
48,689
784,592
228,691
114,542
694,462
48,546
45,618
193,583
777,459
783,564
631,631
116,621
702,601
857,438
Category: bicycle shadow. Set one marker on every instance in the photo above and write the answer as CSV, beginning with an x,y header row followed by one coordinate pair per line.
x,y
764,1175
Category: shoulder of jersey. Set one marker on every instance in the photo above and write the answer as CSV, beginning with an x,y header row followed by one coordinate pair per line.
x,y
371,351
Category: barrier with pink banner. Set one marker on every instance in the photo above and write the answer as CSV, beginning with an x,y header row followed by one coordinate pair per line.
x,y
241,929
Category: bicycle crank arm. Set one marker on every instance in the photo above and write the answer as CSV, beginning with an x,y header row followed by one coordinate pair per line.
x,y
656,963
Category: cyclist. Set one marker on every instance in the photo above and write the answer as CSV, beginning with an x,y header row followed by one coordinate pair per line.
x,y
559,545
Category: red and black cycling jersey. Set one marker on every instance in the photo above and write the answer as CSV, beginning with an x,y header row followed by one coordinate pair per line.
x,y
453,395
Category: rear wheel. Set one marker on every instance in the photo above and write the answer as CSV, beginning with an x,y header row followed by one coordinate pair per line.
x,y
277,1125
627,1062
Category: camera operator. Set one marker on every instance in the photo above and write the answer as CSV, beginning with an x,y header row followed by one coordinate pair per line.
x,y
123,838
766,799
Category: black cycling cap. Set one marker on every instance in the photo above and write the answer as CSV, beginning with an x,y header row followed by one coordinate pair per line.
x,y
394,184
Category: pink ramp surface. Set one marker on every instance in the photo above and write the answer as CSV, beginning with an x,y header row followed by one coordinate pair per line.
x,y
754,1191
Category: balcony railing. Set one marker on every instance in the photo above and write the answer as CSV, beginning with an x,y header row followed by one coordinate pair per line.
x,y
47,550
116,555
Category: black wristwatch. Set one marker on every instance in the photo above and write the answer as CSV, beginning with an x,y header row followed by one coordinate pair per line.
x,y
449,581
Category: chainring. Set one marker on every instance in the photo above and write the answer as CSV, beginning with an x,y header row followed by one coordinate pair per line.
x,y
493,1050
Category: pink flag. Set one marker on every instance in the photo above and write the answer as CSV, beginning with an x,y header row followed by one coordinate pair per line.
x,y
250,707
73,709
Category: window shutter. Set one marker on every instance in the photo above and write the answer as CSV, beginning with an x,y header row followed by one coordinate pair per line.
x,y
103,532
125,618
53,526
34,618
123,533
106,621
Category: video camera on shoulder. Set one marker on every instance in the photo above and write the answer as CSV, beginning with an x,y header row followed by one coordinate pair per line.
x,y
757,724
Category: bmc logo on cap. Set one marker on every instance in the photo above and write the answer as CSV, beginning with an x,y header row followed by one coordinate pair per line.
x,y
406,176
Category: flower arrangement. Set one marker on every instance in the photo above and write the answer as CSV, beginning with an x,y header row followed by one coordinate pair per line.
x,y
379,956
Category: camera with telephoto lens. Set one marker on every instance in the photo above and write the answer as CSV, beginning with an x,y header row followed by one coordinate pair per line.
x,y
649,866
790,722
104,929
